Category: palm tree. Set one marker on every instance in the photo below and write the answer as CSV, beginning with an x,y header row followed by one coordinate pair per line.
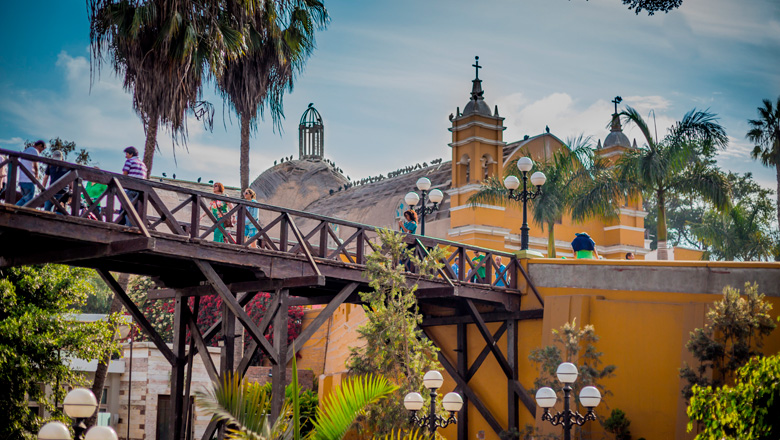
x,y
565,173
765,132
274,55
163,50
245,407
676,164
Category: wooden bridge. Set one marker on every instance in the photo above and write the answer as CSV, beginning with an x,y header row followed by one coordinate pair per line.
x,y
304,258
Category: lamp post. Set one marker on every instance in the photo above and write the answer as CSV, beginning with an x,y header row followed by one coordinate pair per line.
x,y
590,397
79,405
451,402
435,196
524,164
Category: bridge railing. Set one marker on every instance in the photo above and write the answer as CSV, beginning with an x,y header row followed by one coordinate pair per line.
x,y
152,206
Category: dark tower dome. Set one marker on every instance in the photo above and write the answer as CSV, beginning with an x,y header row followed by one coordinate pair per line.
x,y
616,137
477,102
311,133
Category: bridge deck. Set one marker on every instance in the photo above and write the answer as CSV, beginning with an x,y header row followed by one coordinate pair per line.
x,y
303,258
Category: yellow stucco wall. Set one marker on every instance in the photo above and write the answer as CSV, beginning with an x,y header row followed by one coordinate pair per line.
x,y
642,332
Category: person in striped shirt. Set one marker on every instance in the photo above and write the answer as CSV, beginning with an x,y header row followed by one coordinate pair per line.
x,y
134,167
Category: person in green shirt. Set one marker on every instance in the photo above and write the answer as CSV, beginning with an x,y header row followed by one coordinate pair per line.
x,y
94,191
480,276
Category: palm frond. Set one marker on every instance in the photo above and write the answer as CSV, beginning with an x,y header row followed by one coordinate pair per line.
x,y
339,410
244,407
631,115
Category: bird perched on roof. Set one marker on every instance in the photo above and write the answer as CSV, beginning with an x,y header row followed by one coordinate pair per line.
x,y
547,128
198,179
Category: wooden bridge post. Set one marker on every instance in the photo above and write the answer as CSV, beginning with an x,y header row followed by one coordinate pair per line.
x,y
513,400
177,373
279,370
463,368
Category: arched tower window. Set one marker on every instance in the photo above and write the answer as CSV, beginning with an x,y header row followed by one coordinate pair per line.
x,y
464,171
311,131
488,166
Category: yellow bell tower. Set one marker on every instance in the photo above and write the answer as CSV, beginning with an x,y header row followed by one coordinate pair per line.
x,y
477,153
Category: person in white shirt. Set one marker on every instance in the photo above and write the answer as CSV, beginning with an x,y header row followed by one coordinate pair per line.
x,y
25,183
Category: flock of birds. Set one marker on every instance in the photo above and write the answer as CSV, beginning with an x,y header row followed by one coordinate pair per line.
x,y
390,175
350,184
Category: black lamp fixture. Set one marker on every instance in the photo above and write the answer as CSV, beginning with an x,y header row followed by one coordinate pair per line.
x,y
590,397
524,164
435,196
451,402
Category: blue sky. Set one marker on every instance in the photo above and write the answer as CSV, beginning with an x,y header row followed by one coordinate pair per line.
x,y
386,75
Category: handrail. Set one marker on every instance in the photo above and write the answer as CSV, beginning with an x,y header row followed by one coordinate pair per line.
x,y
141,213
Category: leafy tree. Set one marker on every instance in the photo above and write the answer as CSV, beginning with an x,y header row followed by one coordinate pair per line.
x,y
676,164
67,147
749,410
618,424
393,345
576,345
743,233
164,50
280,37
765,132
37,339
652,6
734,333
566,171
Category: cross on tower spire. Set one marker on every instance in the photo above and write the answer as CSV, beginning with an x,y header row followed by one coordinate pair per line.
x,y
476,66
617,101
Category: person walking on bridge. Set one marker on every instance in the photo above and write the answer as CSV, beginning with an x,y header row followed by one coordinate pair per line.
x,y
25,183
134,167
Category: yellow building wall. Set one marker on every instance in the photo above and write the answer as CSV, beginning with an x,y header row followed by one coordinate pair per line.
x,y
642,332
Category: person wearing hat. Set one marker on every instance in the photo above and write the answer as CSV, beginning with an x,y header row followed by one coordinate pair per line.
x,y
54,173
584,246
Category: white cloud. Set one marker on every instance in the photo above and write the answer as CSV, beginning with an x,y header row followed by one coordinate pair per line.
x,y
102,120
12,141
748,21
567,116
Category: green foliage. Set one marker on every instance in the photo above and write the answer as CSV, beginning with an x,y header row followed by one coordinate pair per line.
x,y
734,333
245,407
567,171
679,164
340,408
37,338
570,344
393,344
67,147
98,299
749,410
617,424
308,404
745,232
576,345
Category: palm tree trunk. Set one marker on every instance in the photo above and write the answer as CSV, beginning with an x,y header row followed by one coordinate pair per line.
x,y
151,144
662,250
102,367
777,168
244,164
550,240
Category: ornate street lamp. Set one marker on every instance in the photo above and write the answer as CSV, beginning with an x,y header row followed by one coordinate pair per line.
x,y
451,402
80,404
590,397
435,196
524,164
